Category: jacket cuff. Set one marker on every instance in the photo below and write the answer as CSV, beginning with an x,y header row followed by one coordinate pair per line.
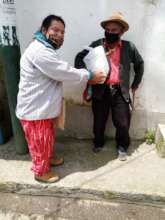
x,y
134,86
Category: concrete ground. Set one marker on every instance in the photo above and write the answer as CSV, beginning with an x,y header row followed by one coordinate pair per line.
x,y
95,178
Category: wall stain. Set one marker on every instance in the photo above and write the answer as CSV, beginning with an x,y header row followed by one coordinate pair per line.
x,y
152,2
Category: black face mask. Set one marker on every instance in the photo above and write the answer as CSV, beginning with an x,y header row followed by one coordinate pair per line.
x,y
52,43
55,43
111,37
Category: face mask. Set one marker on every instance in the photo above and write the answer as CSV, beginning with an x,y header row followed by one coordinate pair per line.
x,y
111,37
55,43
52,43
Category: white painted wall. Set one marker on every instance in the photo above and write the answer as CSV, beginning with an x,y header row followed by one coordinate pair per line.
x,y
147,31
82,19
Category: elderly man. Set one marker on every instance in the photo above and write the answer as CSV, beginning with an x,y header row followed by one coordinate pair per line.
x,y
114,93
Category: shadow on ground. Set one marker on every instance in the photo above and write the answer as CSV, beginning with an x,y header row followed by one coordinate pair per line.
x,y
78,154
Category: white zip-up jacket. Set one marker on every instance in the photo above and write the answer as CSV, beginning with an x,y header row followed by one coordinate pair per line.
x,y
40,86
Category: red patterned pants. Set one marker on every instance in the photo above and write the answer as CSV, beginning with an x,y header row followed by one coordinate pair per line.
x,y
40,136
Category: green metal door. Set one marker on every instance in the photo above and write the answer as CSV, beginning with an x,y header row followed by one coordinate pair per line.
x,y
10,54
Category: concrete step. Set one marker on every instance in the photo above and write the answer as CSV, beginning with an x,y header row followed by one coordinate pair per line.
x,y
160,140
21,207
89,177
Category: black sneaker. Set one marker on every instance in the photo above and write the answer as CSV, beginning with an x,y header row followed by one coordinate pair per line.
x,y
97,149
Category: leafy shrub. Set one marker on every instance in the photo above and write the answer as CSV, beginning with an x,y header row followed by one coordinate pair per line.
x,y
149,136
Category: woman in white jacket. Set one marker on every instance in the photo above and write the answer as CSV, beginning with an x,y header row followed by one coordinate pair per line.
x,y
40,94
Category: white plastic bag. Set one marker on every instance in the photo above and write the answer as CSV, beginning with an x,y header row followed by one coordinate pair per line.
x,y
96,60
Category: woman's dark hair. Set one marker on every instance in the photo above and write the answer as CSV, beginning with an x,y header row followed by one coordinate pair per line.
x,y
48,20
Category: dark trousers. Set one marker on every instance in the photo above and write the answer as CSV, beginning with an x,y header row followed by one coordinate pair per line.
x,y
113,99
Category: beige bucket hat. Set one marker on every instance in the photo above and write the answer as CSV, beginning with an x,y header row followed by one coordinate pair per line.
x,y
116,17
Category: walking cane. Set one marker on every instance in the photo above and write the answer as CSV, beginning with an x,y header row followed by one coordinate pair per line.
x,y
132,102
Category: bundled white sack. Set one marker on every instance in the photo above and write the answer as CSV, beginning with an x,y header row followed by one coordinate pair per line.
x,y
96,60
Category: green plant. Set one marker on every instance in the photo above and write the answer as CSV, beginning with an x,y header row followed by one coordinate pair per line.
x,y
149,136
